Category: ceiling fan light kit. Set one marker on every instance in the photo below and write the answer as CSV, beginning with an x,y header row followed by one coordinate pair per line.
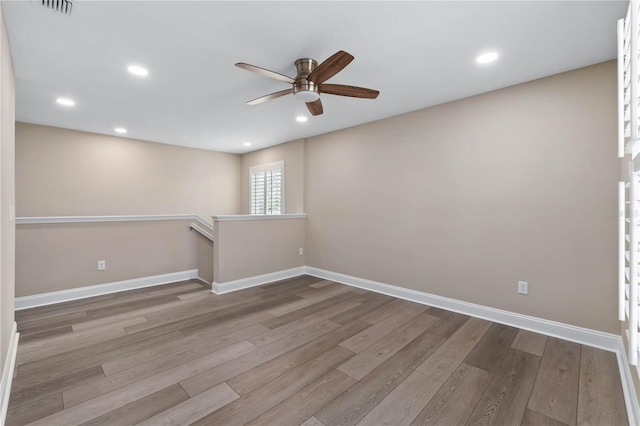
x,y
303,89
309,80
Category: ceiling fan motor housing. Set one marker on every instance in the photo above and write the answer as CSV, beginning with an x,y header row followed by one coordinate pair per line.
x,y
303,89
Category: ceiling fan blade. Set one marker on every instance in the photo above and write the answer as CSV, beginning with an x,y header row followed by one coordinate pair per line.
x,y
315,108
330,67
265,72
351,91
270,96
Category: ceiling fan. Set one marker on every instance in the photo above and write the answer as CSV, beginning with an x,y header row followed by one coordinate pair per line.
x,y
309,81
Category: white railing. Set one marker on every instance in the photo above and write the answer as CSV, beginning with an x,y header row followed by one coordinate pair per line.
x,y
119,218
201,231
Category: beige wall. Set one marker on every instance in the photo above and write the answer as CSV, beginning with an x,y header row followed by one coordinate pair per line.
x,y
464,199
460,200
247,248
7,192
204,256
292,153
54,257
62,172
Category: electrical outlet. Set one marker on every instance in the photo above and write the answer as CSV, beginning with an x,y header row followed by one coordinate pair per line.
x,y
102,265
523,287
300,251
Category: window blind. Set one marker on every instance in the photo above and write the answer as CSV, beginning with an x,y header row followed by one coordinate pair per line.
x,y
267,189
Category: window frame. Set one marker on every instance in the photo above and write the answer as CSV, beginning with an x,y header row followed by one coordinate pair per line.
x,y
262,168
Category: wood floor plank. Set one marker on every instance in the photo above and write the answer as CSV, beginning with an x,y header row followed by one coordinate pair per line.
x,y
404,403
259,401
143,408
438,312
226,327
304,403
199,383
50,311
235,312
555,391
172,289
79,332
130,305
199,295
272,335
531,342
196,306
184,349
28,336
492,348
320,284
115,399
533,418
195,408
108,307
600,397
37,408
450,355
68,362
288,282
314,291
369,359
121,380
323,294
134,313
66,346
264,373
369,302
276,322
47,322
186,317
68,338
107,323
385,310
25,395
505,400
313,421
354,404
456,399
282,290
372,334
448,324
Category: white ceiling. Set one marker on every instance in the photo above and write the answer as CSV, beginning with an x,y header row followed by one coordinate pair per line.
x,y
417,54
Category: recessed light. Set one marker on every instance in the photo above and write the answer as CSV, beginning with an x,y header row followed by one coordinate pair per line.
x,y
137,70
301,119
246,144
66,102
487,57
120,130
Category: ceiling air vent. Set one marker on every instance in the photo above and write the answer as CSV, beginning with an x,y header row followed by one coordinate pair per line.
x,y
62,6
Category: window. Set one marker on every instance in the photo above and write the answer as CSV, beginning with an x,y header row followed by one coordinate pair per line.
x,y
267,188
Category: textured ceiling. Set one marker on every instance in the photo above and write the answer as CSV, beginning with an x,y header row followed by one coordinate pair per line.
x,y
417,54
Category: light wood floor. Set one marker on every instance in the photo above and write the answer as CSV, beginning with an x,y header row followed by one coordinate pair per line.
x,y
300,351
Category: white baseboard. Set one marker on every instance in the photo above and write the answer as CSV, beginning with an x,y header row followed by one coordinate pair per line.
x,y
607,341
628,388
7,373
27,302
598,339
256,280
